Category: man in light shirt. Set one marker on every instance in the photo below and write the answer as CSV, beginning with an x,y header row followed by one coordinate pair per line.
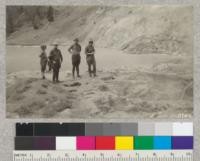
x,y
75,50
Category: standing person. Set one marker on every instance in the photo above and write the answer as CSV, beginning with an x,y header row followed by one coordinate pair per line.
x,y
43,60
49,64
56,59
75,50
90,58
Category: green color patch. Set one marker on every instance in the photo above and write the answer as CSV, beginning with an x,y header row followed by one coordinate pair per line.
x,y
143,142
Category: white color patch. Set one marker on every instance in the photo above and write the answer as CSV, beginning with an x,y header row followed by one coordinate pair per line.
x,y
65,143
183,129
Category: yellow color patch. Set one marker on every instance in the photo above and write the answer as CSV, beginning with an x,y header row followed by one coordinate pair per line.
x,y
124,143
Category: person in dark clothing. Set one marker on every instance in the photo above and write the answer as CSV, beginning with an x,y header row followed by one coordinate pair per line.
x,y
43,60
50,64
75,50
56,59
90,58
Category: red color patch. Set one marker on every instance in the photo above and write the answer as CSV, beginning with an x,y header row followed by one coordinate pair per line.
x,y
105,143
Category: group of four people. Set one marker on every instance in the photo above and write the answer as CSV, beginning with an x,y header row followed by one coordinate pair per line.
x,y
55,59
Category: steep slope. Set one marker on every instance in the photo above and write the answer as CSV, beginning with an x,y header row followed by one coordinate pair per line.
x,y
137,30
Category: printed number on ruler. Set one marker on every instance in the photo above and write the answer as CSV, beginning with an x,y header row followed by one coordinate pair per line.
x,y
169,155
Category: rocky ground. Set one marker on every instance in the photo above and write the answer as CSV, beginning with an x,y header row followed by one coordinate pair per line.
x,y
113,94
145,63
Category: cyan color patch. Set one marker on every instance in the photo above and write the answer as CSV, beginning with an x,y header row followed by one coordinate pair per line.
x,y
162,142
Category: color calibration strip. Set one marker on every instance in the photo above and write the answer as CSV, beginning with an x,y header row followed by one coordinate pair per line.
x,y
110,136
104,143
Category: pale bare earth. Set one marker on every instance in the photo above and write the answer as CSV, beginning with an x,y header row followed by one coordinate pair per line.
x,y
144,60
163,87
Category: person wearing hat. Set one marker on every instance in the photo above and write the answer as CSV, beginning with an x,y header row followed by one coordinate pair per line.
x,y
56,58
43,60
75,50
90,58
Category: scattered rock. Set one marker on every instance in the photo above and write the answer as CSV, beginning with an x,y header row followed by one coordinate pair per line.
x,y
75,84
72,90
103,88
45,85
144,95
108,78
23,89
40,91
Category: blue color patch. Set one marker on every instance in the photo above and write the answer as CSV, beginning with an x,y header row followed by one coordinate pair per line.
x,y
162,142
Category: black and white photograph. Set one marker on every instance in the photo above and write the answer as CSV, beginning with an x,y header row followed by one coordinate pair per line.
x,y
99,62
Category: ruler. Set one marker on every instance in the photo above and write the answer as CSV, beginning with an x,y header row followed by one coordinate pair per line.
x,y
104,155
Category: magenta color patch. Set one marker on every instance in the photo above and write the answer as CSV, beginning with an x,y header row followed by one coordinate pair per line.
x,y
85,142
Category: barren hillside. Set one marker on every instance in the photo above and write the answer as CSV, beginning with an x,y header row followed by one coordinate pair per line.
x,y
155,80
137,30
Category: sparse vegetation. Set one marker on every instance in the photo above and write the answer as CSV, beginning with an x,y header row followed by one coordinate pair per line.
x,y
154,80
159,30
50,14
